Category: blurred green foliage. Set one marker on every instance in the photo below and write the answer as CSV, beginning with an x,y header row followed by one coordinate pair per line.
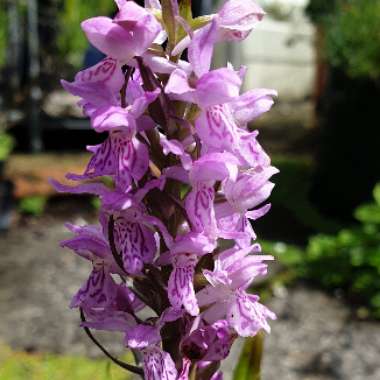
x,y
71,40
23,366
353,38
33,205
349,260
6,145
96,203
352,32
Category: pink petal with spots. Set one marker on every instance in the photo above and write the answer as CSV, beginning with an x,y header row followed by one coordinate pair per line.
x,y
250,151
216,127
136,243
200,209
97,292
107,72
102,162
180,286
247,316
158,365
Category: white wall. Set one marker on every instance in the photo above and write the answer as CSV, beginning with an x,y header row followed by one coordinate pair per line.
x,y
279,54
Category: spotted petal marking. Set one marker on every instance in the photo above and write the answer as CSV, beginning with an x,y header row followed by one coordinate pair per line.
x,y
251,151
180,286
200,208
209,343
102,162
136,243
216,127
158,365
107,71
133,159
97,292
247,316
119,155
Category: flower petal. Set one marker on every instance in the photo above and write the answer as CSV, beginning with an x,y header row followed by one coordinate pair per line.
x,y
217,87
216,127
158,365
180,286
178,87
97,292
237,18
133,159
247,316
214,167
199,205
201,48
252,104
109,37
136,243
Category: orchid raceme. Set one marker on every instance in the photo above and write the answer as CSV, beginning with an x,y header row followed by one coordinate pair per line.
x,y
185,177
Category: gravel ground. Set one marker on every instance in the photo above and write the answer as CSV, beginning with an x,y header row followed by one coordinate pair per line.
x,y
313,338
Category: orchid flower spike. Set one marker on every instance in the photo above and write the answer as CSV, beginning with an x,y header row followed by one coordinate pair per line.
x,y
180,175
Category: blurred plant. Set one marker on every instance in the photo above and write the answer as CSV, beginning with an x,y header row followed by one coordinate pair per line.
x,y
317,10
33,205
21,366
96,203
6,145
348,261
352,38
72,42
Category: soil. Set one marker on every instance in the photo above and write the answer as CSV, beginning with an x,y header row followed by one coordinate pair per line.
x,y
314,337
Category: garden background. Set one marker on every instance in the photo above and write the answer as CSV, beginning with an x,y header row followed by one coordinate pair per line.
x,y
324,227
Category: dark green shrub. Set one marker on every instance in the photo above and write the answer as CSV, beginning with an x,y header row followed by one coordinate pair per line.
x,y
351,260
317,10
352,38
348,261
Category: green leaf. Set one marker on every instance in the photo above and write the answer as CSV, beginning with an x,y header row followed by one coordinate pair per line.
x,y
185,10
376,193
369,213
200,21
168,17
249,365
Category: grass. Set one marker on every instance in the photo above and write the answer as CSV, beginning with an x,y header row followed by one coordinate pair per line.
x,y
24,366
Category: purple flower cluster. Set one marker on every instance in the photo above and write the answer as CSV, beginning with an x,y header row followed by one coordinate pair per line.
x,y
180,177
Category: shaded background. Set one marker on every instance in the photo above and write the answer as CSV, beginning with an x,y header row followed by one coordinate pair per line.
x,y
323,57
